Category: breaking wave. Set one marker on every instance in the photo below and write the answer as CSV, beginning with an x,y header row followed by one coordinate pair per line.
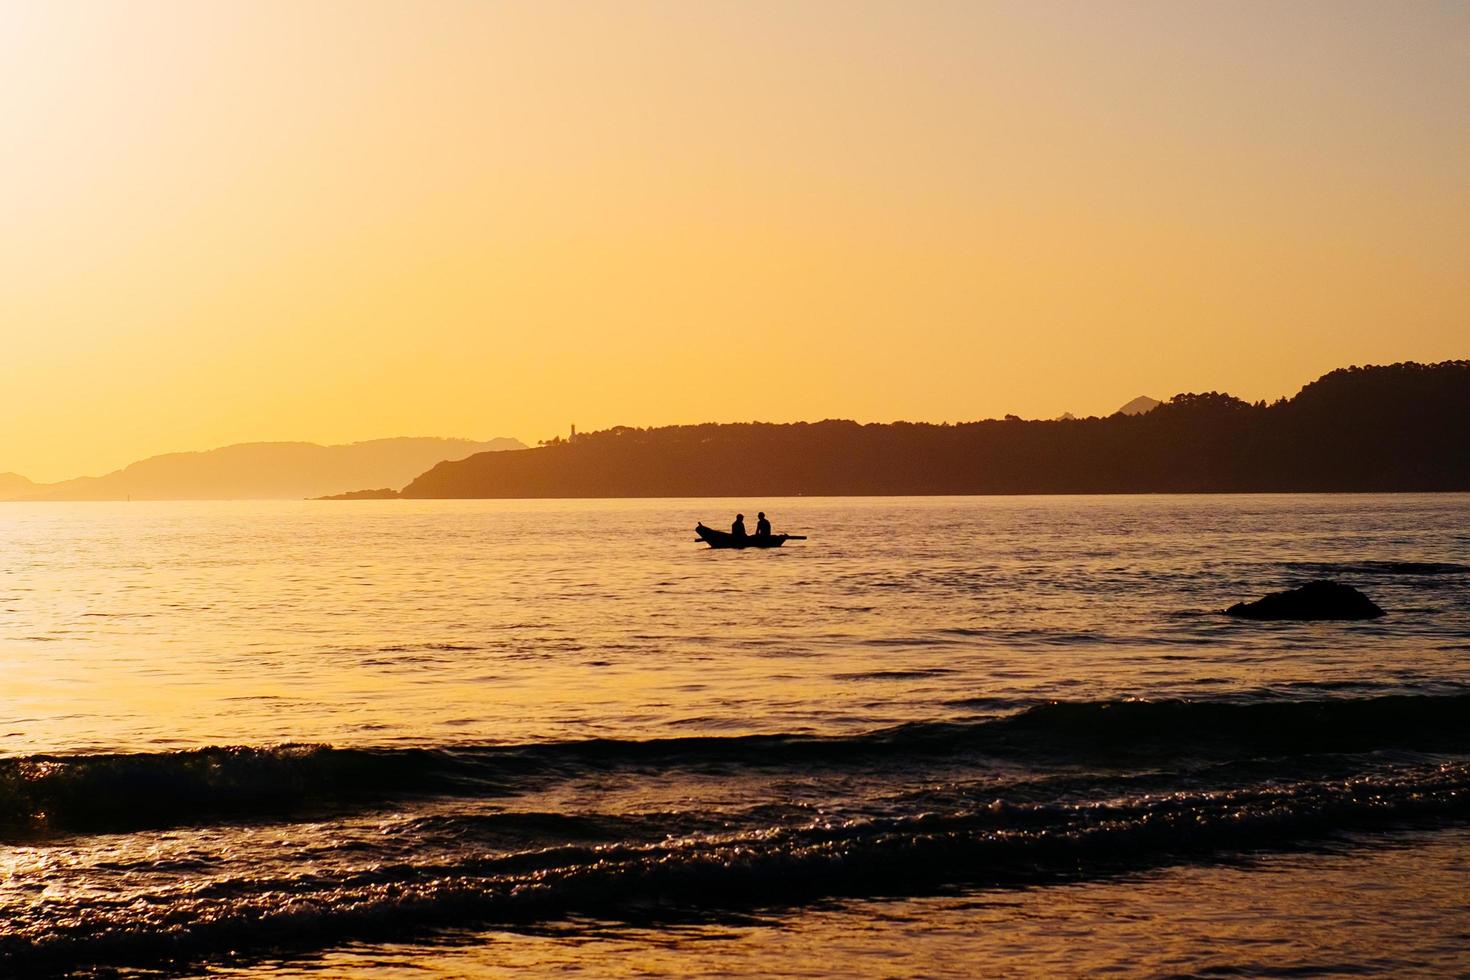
x,y
120,792
991,842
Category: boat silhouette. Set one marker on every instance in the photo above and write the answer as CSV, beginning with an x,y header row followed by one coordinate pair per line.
x,y
724,539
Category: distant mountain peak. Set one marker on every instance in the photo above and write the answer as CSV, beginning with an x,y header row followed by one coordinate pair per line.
x,y
1139,405
14,485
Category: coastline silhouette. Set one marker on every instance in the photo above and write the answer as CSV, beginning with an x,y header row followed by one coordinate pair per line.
x,y
1397,428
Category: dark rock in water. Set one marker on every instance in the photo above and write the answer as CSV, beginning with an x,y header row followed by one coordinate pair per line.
x,y
1315,600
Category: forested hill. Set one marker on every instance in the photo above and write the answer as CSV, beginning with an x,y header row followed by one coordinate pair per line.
x,y
1398,428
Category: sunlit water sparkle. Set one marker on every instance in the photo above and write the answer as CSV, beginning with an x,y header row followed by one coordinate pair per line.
x,y
853,768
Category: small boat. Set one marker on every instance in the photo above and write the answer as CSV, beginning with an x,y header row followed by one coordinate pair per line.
x,y
724,539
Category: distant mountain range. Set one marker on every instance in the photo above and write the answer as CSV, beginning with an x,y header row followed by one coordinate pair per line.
x,y
260,470
1139,405
1400,427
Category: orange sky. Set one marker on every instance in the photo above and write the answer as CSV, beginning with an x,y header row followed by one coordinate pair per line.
x,y
335,221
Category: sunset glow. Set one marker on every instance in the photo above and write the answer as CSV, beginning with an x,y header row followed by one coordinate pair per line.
x,y
742,488
340,221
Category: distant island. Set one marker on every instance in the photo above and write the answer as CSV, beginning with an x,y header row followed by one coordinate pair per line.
x,y
260,470
383,493
1402,427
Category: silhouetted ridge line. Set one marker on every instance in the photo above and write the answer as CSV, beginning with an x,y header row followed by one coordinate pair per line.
x,y
1397,428
262,470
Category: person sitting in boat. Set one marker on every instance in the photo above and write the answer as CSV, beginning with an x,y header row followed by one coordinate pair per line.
x,y
738,528
762,526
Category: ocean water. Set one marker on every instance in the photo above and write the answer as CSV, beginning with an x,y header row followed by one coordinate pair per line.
x,y
942,736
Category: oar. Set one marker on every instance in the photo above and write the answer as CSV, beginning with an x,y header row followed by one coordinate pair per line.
x,y
794,537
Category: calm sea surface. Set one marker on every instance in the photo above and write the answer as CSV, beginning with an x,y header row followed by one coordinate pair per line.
x,y
942,736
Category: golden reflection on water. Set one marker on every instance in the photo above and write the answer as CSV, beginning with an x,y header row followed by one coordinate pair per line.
x,y
1394,906
449,625
163,625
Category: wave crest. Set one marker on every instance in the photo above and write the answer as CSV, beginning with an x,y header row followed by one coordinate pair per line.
x,y
995,843
116,792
